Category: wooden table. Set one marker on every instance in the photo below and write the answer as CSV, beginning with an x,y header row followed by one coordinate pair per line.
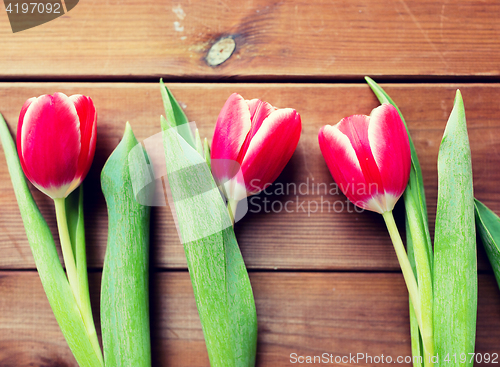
x,y
324,282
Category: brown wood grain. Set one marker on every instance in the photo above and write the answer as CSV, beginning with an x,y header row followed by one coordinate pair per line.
x,y
297,240
274,39
303,313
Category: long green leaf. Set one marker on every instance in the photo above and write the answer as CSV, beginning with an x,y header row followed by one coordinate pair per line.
x,y
488,226
124,293
455,268
50,270
76,227
220,281
418,242
417,350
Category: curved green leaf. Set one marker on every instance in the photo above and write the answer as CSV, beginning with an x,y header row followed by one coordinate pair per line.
x,y
175,115
488,226
125,275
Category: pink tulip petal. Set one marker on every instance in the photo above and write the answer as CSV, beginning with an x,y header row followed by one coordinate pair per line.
x,y
356,129
259,111
50,141
390,147
19,139
344,166
233,125
87,116
270,149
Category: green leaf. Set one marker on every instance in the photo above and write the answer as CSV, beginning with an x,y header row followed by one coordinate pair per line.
x,y
220,281
50,270
206,149
418,240
198,143
124,292
416,339
455,268
72,216
175,115
76,227
488,226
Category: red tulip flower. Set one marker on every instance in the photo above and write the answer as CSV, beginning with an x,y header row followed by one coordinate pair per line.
x,y
256,137
56,138
369,157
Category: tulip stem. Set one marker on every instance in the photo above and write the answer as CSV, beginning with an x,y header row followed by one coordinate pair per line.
x,y
67,249
404,263
231,208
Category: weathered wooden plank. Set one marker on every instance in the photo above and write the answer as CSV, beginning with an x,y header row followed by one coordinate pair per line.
x,y
303,313
296,240
274,39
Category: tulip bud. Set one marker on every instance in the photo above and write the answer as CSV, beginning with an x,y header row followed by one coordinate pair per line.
x,y
56,137
369,157
255,137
